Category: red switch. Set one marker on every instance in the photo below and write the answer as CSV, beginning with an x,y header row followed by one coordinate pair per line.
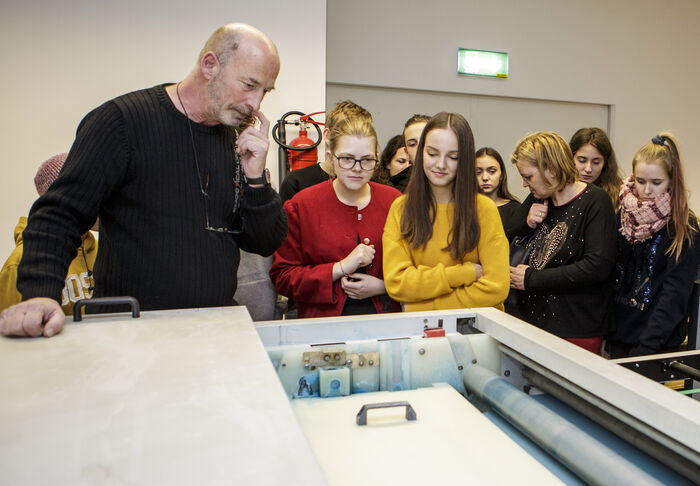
x,y
431,332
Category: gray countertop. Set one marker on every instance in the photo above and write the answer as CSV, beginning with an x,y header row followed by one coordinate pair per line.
x,y
174,397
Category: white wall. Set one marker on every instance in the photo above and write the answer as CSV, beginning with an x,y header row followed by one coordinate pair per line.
x,y
63,58
639,56
496,121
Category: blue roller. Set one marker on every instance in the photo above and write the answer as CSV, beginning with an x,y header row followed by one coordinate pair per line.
x,y
591,460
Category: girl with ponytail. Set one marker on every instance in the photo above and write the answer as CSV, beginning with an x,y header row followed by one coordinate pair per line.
x,y
657,253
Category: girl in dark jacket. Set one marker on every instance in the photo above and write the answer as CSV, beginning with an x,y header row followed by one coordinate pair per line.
x,y
492,179
394,167
657,253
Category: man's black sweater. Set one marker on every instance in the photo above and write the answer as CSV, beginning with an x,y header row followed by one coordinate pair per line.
x,y
133,165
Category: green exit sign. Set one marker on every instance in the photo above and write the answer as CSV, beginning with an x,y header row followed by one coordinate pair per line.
x,y
482,63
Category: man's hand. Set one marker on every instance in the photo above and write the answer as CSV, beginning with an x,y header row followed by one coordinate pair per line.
x,y
252,145
34,317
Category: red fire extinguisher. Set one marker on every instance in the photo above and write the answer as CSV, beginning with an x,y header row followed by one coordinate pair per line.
x,y
298,159
301,152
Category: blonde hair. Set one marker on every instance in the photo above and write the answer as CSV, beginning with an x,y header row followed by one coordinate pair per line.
x,y
355,126
547,150
344,110
663,151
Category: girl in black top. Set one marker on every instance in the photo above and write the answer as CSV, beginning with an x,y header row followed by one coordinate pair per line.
x,y
394,168
596,162
567,283
493,182
657,253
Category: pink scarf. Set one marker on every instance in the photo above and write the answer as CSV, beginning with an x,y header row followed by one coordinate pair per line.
x,y
642,218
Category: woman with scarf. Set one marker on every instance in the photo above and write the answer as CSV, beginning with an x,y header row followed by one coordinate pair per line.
x,y
657,253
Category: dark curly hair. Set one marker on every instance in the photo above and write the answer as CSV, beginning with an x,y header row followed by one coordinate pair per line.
x,y
381,172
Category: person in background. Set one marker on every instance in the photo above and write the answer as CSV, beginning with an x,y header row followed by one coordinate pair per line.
x,y
596,162
657,259
78,282
178,186
317,173
331,261
394,164
493,182
412,131
567,283
444,245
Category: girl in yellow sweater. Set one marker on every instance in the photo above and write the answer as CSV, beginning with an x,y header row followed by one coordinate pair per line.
x,y
444,245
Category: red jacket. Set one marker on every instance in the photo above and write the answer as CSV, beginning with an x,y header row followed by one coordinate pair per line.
x,y
322,231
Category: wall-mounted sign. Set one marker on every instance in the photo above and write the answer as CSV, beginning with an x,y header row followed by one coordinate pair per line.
x,y
482,63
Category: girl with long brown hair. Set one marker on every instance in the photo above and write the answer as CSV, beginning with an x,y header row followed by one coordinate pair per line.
x,y
492,179
596,162
444,246
657,253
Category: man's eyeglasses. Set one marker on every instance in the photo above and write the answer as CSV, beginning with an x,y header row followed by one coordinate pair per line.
x,y
346,162
208,225
238,192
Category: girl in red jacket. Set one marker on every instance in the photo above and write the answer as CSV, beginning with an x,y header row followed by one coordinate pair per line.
x,y
331,261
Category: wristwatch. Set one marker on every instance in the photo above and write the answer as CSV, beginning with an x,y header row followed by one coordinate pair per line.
x,y
263,179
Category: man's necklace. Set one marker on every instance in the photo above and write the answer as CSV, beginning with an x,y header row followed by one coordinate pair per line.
x,y
194,149
237,164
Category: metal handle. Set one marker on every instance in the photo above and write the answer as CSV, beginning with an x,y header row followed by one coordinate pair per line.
x,y
123,300
361,418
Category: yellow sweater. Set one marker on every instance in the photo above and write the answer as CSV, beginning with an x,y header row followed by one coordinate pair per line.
x,y
429,279
78,281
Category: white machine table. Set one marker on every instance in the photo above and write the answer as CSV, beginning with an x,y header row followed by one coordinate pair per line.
x,y
173,397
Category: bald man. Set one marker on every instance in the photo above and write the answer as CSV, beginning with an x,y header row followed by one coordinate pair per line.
x,y
176,174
